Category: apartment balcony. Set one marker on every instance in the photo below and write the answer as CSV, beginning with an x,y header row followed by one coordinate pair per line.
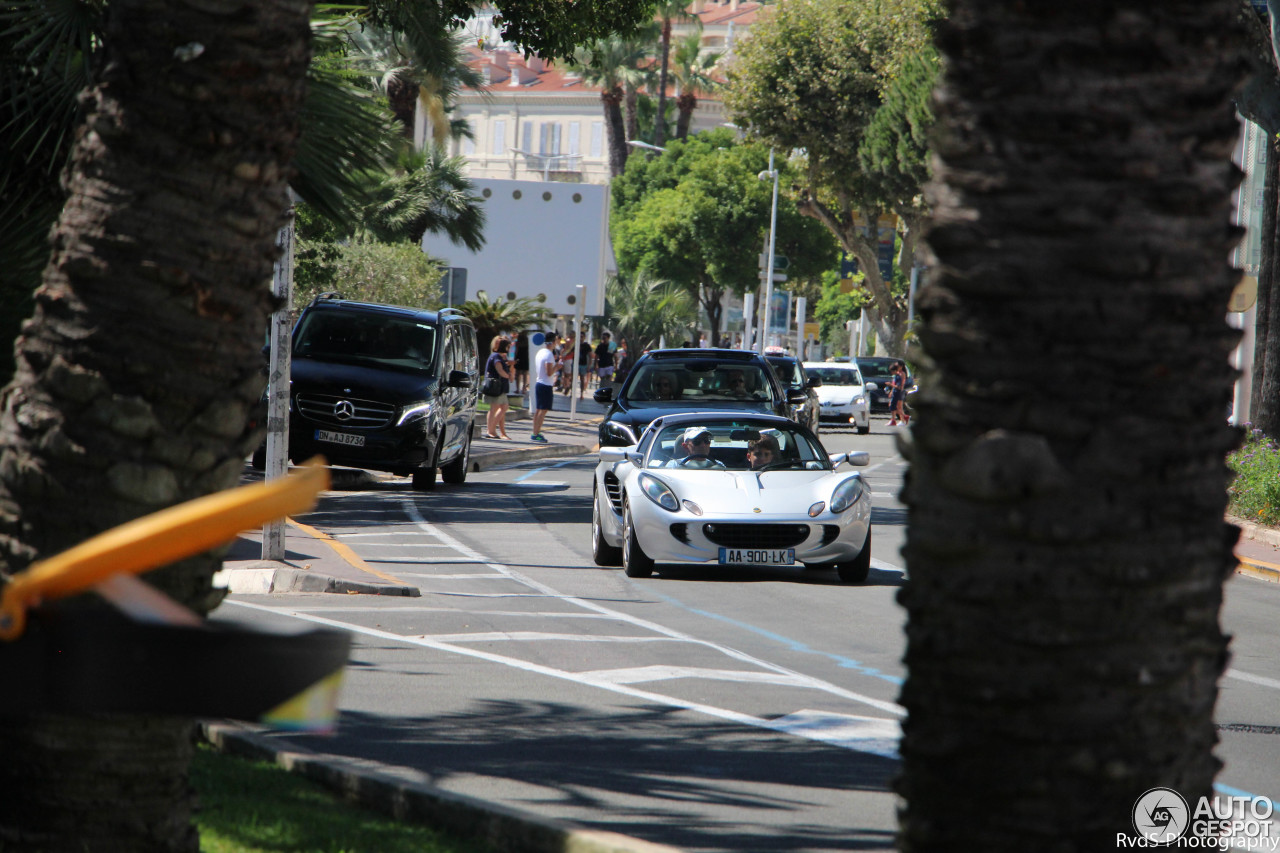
x,y
552,167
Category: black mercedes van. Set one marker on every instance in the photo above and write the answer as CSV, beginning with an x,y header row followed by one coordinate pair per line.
x,y
385,388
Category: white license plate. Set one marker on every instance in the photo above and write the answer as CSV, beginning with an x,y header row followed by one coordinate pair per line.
x,y
763,557
340,438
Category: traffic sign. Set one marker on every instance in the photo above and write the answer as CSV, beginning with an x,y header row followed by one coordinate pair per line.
x,y
780,262
779,277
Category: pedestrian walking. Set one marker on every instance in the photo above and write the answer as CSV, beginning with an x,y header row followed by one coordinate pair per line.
x,y
897,394
498,373
586,365
604,360
545,370
522,363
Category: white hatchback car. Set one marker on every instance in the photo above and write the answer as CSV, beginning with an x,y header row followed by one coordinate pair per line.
x,y
733,489
842,397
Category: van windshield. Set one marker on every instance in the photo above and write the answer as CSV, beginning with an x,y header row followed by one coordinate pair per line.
x,y
375,340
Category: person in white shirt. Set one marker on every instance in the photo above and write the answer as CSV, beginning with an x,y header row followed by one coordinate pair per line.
x,y
545,368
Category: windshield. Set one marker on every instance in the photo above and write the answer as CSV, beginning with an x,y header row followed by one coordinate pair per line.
x,y
374,340
875,369
837,375
788,371
694,382
725,445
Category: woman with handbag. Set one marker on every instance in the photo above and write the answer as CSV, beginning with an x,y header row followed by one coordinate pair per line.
x,y
497,382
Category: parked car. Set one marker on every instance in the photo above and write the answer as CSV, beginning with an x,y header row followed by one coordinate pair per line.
x,y
670,498
842,396
383,387
663,382
875,370
792,374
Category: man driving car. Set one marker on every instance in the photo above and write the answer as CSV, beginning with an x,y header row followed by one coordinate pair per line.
x,y
696,443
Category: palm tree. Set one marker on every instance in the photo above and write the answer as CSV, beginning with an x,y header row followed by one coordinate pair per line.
x,y
604,65
636,73
426,192
668,11
1066,547
502,316
645,309
692,70
389,59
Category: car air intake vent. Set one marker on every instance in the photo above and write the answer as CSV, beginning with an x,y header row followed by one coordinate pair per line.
x,y
756,535
348,412
680,530
613,489
829,533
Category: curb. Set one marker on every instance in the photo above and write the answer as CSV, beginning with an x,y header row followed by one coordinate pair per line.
x,y
395,791
486,461
274,577
1257,569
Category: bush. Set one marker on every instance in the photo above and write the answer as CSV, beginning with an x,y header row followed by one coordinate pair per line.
x,y
1254,494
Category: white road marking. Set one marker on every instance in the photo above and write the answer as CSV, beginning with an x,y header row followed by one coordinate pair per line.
x,y
641,674
543,636
1260,680
865,734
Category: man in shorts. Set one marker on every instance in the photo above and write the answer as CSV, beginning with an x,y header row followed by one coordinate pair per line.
x,y
545,369
604,360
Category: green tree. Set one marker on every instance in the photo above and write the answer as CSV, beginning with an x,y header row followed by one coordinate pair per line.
x,y
426,192
1066,548
372,271
644,310
696,214
501,316
812,77
609,64
137,372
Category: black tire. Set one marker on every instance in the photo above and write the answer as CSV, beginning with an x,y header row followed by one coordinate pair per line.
x,y
864,430
857,569
635,562
424,480
455,472
601,551
259,460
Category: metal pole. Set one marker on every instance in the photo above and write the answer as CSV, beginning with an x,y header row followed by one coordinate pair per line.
x,y
577,352
273,547
768,273
748,321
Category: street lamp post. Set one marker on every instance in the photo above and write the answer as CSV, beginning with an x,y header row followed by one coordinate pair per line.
x,y
773,235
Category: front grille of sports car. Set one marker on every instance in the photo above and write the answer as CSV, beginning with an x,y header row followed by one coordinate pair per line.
x,y
829,533
680,530
344,411
613,489
756,535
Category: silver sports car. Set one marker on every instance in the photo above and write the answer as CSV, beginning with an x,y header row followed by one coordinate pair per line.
x,y
731,488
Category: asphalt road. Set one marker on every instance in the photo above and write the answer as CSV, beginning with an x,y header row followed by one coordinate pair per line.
x,y
706,708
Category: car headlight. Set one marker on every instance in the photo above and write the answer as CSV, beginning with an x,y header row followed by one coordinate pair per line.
x,y
415,411
659,492
859,400
846,494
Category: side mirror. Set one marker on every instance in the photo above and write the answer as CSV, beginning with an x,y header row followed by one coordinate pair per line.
x,y
458,379
815,381
603,395
614,454
858,457
797,397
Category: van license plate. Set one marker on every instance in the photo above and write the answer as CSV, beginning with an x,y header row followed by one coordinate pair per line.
x,y
763,557
340,438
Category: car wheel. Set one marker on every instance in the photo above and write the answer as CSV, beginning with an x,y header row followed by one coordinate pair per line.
x,y
864,430
455,473
259,460
601,551
857,569
635,562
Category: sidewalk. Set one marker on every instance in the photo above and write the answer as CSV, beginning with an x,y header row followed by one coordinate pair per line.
x,y
1258,550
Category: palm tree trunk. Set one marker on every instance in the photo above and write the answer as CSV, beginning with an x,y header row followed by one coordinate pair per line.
x,y
659,121
1066,546
632,113
136,376
686,104
615,130
1264,408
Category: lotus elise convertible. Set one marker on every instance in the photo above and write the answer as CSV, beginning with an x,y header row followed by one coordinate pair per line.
x,y
733,489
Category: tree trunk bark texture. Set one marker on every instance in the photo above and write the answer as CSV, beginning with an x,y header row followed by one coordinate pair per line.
x,y
139,369
1066,546
1264,406
615,129
660,117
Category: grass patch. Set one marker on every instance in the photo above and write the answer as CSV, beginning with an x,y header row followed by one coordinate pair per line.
x,y
1254,494
249,806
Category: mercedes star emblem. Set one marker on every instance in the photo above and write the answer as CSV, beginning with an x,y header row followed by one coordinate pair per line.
x,y
344,410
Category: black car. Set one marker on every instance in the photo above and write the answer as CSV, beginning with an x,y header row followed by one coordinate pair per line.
x,y
875,374
690,380
793,377
384,387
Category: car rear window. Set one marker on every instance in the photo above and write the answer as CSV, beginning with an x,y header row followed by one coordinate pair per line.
x,y
662,381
